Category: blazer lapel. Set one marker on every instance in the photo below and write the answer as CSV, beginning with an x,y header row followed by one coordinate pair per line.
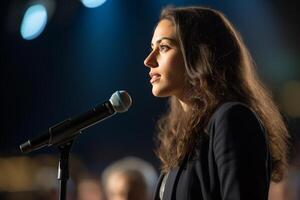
x,y
174,174
170,184
157,188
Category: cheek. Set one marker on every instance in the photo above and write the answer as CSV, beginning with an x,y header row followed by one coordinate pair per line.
x,y
173,63
177,71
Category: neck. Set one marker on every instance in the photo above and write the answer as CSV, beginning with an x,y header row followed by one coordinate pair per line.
x,y
184,105
184,99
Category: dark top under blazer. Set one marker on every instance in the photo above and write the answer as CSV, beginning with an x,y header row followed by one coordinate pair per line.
x,y
232,162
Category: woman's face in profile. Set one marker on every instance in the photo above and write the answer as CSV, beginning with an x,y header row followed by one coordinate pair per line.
x,y
167,70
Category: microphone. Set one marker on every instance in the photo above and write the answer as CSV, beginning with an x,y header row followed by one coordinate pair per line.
x,y
66,130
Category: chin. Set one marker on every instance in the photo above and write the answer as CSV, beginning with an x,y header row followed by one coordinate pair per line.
x,y
159,95
159,92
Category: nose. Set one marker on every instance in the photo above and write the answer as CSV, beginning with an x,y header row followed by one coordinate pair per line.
x,y
151,61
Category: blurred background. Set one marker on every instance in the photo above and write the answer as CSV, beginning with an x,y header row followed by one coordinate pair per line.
x,y
61,58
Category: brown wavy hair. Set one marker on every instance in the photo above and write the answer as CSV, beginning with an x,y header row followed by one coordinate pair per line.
x,y
219,68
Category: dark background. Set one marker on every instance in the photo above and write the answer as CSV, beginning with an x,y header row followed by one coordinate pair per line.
x,y
84,55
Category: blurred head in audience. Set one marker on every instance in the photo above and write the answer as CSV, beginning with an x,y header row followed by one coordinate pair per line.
x,y
35,178
129,179
89,188
28,178
126,185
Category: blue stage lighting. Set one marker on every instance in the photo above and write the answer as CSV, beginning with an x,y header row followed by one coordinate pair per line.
x,y
93,3
34,22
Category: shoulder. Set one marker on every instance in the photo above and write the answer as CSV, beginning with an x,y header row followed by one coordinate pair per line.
x,y
235,120
234,127
233,130
233,112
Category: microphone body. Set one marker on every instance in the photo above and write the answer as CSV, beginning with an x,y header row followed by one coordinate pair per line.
x,y
70,128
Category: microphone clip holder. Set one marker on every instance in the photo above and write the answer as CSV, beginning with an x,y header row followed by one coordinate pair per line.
x,y
63,167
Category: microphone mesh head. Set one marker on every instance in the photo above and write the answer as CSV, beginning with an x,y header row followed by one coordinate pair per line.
x,y
121,101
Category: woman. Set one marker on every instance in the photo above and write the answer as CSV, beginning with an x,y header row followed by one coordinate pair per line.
x,y
223,136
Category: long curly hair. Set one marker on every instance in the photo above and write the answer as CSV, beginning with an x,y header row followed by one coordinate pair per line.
x,y
219,68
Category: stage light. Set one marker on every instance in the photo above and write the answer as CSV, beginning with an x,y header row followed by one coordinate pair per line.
x,y
34,22
93,3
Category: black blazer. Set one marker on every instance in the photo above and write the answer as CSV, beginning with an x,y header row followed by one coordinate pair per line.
x,y
232,162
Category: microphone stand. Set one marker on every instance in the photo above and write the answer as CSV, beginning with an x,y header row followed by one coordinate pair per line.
x,y
63,168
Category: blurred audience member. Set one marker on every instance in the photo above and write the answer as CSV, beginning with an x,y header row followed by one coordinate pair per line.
x,y
27,178
34,178
289,187
129,179
89,188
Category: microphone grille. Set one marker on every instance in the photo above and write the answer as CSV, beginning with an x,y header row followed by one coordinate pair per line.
x,y
121,101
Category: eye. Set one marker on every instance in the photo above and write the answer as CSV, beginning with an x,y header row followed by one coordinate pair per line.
x,y
163,48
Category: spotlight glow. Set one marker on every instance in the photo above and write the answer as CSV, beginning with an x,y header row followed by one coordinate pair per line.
x,y
34,22
93,3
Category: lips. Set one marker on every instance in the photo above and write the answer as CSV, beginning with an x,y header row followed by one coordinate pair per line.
x,y
154,77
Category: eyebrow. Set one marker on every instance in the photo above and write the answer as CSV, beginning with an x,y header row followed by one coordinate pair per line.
x,y
164,38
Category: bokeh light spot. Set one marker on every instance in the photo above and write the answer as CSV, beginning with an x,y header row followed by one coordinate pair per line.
x,y
93,3
34,22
